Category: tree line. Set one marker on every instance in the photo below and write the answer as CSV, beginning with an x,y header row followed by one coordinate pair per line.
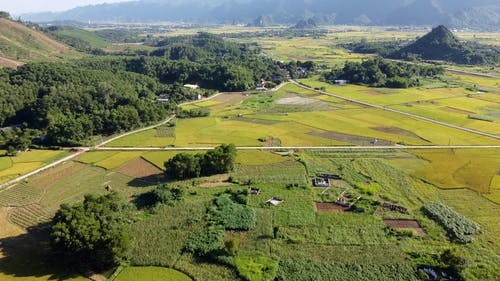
x,y
377,72
217,161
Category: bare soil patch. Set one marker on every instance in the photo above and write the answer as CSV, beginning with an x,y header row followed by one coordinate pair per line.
x,y
28,215
139,168
330,207
49,177
256,121
295,101
216,181
456,110
371,92
4,62
357,140
405,225
8,229
229,99
398,131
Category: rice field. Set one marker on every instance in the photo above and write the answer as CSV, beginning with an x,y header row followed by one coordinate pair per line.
x,y
475,170
457,106
330,121
25,162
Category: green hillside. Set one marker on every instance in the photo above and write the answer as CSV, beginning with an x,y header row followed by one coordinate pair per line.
x,y
20,44
80,39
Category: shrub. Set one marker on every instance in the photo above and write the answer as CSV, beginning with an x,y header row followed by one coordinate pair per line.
x,y
210,241
167,195
370,188
256,267
459,228
232,246
231,215
193,113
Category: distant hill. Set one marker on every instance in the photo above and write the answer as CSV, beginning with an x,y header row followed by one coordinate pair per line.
x,y
441,44
455,13
261,21
305,24
20,44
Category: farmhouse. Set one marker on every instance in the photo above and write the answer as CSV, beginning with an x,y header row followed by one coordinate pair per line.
x,y
254,191
274,201
341,82
321,182
164,98
192,86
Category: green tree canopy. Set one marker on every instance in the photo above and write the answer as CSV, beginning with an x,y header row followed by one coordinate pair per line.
x,y
93,234
183,166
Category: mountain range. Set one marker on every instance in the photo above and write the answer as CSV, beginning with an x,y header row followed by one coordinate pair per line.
x,y
477,14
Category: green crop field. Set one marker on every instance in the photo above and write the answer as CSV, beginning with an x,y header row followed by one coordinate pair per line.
x,y
151,274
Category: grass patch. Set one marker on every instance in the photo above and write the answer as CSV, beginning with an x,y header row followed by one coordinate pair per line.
x,y
116,160
151,274
255,158
256,267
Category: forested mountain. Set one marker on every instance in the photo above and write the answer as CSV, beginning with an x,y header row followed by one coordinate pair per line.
x,y
441,44
460,13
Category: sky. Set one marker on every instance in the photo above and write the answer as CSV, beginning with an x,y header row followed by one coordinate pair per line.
x,y
17,7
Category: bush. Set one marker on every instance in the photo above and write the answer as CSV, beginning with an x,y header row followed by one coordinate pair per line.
x,y
256,267
370,188
210,241
232,246
231,215
193,113
459,228
167,195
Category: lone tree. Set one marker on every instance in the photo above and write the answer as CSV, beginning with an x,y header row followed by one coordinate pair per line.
x,y
219,161
93,234
183,166
4,15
